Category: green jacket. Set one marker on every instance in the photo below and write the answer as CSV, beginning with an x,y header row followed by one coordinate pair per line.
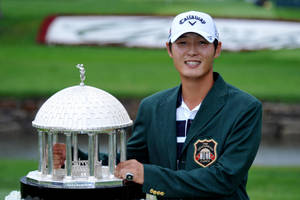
x,y
228,126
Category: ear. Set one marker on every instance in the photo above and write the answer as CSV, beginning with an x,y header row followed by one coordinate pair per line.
x,y
168,49
218,50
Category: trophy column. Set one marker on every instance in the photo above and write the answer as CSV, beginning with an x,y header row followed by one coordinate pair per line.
x,y
68,156
89,112
112,152
123,142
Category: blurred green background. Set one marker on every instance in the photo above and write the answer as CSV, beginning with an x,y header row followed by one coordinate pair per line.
x,y
30,70
270,74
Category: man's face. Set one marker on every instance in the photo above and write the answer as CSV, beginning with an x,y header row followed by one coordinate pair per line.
x,y
193,56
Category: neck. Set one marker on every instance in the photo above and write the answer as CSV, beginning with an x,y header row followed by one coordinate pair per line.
x,y
194,91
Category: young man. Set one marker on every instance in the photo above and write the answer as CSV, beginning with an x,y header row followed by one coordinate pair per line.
x,y
197,140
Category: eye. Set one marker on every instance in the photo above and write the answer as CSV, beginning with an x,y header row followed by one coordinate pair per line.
x,y
182,42
202,43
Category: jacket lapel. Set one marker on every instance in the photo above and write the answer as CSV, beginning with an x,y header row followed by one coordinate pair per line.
x,y
167,118
213,102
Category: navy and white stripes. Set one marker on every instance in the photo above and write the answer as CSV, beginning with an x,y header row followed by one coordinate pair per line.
x,y
184,118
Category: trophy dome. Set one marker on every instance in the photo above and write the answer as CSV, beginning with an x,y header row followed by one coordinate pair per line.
x,y
82,108
77,110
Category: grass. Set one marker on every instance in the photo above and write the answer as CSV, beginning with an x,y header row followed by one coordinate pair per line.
x,y
222,8
32,70
21,19
269,75
10,173
274,183
265,183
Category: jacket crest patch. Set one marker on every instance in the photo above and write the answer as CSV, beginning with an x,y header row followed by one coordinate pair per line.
x,y
205,152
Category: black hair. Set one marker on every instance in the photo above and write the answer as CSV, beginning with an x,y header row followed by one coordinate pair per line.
x,y
216,42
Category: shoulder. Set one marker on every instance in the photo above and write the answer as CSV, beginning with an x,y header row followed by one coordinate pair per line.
x,y
241,99
233,96
161,97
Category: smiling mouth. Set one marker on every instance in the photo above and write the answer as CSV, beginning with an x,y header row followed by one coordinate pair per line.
x,y
192,63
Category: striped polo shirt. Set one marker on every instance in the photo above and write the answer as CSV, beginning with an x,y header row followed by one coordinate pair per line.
x,y
184,119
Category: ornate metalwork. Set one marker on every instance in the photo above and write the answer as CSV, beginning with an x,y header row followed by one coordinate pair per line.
x,y
68,114
82,73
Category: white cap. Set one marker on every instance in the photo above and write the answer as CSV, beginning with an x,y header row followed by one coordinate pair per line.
x,y
195,22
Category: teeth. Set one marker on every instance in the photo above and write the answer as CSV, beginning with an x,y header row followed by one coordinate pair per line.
x,y
192,62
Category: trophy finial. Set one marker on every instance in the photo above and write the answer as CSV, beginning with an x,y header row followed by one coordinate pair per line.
x,y
82,73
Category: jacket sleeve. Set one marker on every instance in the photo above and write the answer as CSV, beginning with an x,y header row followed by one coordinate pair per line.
x,y
137,144
221,179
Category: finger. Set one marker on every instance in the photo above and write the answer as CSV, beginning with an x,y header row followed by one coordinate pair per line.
x,y
62,161
116,173
118,169
130,163
123,173
56,164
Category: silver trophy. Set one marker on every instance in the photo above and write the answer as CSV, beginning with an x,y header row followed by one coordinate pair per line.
x,y
86,111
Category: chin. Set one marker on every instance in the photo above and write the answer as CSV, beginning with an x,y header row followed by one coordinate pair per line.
x,y
196,76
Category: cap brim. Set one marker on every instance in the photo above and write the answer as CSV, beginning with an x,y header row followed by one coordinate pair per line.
x,y
206,36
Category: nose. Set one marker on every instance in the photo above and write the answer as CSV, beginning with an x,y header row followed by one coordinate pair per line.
x,y
192,51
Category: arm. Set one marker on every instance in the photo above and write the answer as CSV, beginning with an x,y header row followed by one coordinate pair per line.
x,y
221,179
59,156
137,150
137,144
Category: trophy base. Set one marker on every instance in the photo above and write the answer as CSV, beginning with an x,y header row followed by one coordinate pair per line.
x,y
30,190
70,182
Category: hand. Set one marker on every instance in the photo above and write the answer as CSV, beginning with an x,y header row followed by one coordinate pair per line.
x,y
59,155
131,166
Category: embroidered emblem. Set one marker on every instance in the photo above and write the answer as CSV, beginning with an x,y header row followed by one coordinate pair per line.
x,y
205,152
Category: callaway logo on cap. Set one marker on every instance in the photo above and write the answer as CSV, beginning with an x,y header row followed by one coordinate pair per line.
x,y
195,22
